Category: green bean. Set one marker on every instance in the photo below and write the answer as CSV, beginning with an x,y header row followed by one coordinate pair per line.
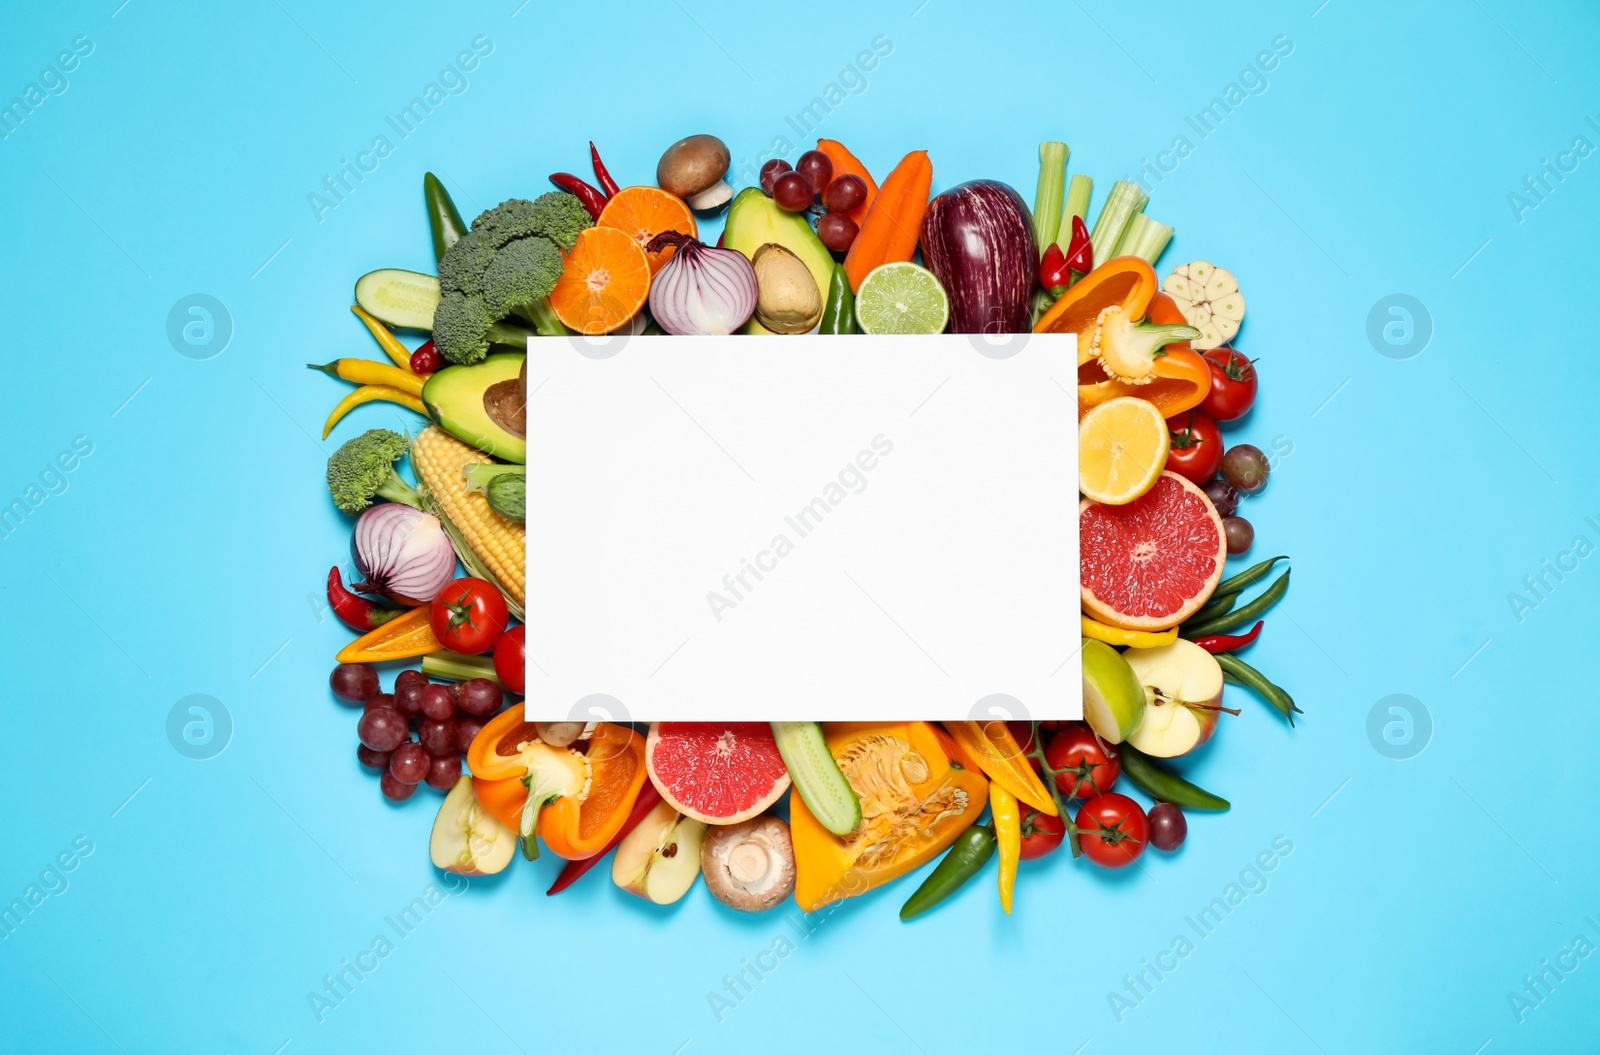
x,y
1250,612
1163,785
1247,675
1238,582
1215,607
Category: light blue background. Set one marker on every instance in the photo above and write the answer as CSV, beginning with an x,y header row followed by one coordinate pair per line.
x,y
187,554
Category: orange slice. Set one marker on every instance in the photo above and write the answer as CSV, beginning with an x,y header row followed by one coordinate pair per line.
x,y
604,283
644,212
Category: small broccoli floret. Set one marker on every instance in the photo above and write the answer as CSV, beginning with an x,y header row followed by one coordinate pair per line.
x,y
460,327
557,216
525,271
363,470
464,264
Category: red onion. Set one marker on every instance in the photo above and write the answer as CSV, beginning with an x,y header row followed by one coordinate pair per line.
x,y
403,553
701,290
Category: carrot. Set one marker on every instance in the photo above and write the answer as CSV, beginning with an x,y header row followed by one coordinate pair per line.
x,y
847,164
895,219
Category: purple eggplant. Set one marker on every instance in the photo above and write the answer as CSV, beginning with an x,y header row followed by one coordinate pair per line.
x,y
977,239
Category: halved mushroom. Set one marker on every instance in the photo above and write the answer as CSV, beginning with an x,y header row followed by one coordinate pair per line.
x,y
693,168
749,866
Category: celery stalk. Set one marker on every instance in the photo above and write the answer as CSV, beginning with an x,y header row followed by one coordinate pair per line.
x,y
1124,201
453,666
1144,238
1047,198
1077,205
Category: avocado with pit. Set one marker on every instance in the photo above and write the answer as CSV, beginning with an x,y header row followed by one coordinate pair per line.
x,y
484,404
755,220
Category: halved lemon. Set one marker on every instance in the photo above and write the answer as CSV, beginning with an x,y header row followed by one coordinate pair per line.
x,y
1122,447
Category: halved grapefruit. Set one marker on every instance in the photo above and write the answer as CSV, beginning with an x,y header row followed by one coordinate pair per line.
x,y
716,772
1152,563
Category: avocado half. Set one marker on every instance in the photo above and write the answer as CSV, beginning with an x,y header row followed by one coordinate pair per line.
x,y
754,220
481,405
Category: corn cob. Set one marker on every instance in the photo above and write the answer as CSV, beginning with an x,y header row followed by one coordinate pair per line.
x,y
489,545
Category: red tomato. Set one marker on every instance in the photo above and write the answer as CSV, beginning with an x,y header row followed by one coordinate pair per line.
x,y
1090,768
1113,830
1041,834
510,660
1196,447
1233,385
468,616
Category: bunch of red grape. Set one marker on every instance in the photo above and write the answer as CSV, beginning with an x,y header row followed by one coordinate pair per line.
x,y
796,190
442,718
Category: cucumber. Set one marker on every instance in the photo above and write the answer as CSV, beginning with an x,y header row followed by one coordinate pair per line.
x,y
404,299
816,776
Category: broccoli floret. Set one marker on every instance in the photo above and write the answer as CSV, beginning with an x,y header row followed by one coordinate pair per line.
x,y
464,264
524,272
363,469
461,326
557,216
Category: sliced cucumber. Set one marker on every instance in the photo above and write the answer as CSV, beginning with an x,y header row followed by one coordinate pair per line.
x,y
816,776
400,298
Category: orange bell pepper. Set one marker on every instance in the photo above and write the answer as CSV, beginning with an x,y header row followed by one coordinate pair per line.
x,y
914,805
571,827
1126,281
894,223
846,164
1000,757
410,634
954,750
495,754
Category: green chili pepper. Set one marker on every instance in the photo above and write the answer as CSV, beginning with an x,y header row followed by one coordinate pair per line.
x,y
970,852
1238,582
1215,607
443,219
1247,675
839,314
1162,784
1268,597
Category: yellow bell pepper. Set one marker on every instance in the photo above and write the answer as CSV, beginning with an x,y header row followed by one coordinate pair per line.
x,y
1113,635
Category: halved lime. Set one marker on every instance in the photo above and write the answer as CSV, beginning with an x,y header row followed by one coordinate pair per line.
x,y
900,297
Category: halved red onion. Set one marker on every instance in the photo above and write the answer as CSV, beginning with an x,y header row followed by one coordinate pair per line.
x,y
701,290
403,553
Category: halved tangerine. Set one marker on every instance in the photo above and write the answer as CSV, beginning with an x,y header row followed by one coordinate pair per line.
x,y
604,283
644,212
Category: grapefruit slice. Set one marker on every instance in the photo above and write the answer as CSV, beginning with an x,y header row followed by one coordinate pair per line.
x,y
716,772
1151,563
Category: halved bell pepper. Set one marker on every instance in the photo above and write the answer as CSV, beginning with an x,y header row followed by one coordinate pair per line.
x,y
999,755
1126,281
1182,378
574,826
496,752
914,804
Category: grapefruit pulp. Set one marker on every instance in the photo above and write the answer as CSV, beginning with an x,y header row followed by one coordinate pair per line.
x,y
716,772
1153,562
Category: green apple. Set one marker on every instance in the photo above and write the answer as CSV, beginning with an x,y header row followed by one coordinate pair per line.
x,y
660,859
1113,699
466,838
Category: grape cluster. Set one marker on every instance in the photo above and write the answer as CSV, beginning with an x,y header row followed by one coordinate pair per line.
x,y
417,733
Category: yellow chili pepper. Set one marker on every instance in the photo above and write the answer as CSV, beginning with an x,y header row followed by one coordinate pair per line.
x,y
1112,635
1008,837
367,372
367,394
386,340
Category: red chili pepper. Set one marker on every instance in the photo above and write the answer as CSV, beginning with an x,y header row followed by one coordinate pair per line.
x,y
1053,270
1080,253
601,176
426,359
572,871
357,613
1228,643
593,200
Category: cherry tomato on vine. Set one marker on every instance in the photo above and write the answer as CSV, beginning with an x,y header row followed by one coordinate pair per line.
x,y
468,616
1091,768
1196,451
1233,385
1113,830
1041,834
510,660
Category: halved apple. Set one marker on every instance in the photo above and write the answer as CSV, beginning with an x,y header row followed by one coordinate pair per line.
x,y
660,858
466,838
1183,689
1113,698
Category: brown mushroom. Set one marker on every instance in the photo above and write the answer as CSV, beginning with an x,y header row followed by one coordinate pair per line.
x,y
749,866
693,168
563,734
